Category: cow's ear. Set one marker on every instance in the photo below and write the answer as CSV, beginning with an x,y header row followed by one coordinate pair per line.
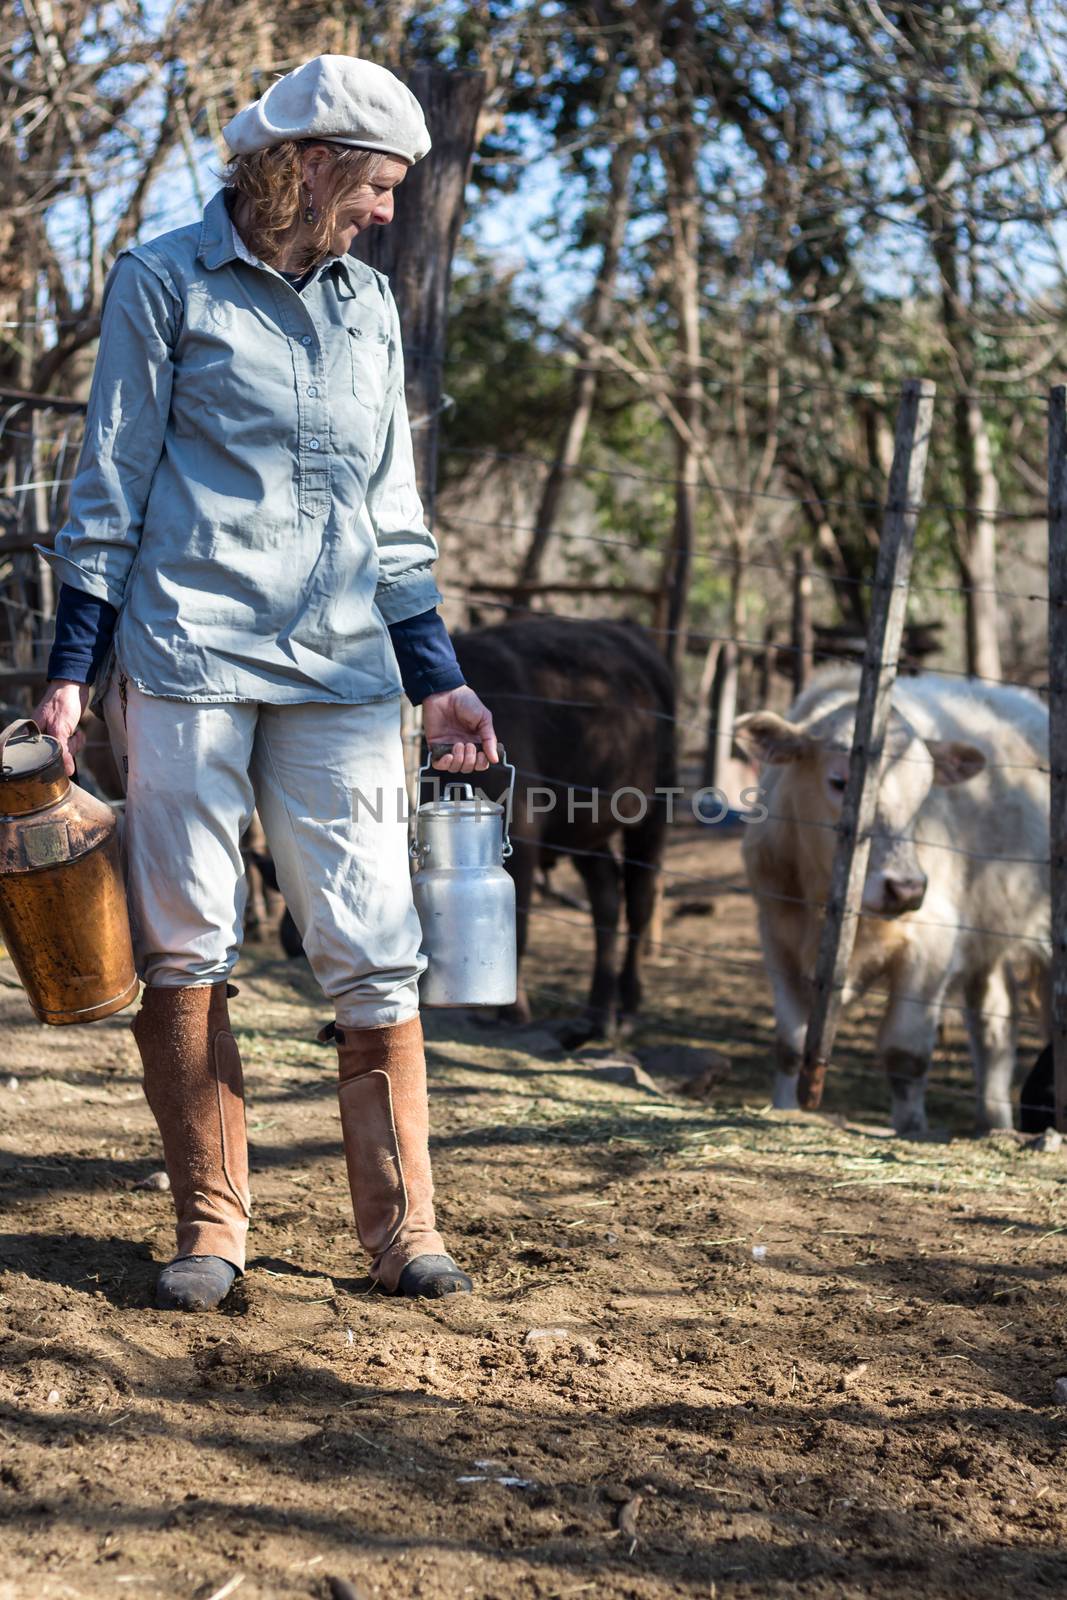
x,y
954,762
765,736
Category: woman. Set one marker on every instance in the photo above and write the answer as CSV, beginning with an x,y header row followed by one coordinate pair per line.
x,y
246,570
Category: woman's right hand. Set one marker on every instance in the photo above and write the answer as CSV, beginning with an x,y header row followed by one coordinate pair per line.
x,y
59,713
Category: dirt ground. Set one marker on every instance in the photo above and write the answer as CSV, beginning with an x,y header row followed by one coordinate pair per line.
x,y
714,1350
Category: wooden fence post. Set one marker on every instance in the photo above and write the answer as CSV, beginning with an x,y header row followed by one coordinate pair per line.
x,y
1057,675
889,601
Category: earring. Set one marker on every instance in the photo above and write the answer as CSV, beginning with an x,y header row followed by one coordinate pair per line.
x,y
310,213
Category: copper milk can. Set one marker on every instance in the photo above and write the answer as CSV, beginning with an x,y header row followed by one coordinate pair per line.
x,y
464,897
62,902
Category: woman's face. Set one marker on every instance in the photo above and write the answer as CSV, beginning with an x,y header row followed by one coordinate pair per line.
x,y
363,207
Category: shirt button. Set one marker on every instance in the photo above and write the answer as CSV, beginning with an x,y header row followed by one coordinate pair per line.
x,y
312,391
313,444
306,339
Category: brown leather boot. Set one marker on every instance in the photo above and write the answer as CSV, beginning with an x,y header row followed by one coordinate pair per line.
x,y
386,1128
194,1085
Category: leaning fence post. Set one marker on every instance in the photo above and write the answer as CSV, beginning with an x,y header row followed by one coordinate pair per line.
x,y
1057,706
889,601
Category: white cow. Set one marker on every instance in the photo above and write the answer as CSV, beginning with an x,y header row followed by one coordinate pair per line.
x,y
960,788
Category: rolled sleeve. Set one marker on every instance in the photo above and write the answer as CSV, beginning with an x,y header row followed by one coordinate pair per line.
x,y
425,656
407,549
83,632
126,419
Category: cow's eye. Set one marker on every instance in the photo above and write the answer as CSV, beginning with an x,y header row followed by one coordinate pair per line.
x,y
838,784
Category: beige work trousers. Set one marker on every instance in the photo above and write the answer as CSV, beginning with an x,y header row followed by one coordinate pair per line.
x,y
328,782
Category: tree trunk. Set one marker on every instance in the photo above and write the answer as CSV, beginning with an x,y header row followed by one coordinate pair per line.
x,y
719,765
978,550
415,251
680,156
597,324
803,632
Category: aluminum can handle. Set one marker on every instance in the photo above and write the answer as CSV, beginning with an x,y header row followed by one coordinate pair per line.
x,y
446,749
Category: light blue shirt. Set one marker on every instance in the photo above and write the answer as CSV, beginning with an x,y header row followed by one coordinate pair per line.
x,y
245,493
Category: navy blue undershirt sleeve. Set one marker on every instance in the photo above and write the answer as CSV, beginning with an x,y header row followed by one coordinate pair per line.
x,y
425,656
84,626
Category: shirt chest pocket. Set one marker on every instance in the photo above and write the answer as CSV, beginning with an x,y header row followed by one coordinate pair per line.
x,y
369,351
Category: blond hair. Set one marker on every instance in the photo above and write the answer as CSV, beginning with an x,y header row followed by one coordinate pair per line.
x,y
271,182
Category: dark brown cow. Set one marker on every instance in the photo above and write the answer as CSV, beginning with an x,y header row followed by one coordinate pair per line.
x,y
585,710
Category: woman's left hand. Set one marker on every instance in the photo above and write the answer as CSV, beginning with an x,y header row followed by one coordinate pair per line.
x,y
458,718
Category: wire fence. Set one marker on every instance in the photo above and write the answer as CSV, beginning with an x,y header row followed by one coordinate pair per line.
x,y
700,637
550,843
740,491
718,1040
745,562
39,440
1030,765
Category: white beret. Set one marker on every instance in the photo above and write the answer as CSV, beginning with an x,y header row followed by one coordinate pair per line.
x,y
340,98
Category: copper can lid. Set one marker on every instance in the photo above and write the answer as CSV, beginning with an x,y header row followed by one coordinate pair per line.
x,y
32,774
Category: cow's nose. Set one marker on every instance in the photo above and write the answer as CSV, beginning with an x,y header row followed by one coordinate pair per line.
x,y
904,894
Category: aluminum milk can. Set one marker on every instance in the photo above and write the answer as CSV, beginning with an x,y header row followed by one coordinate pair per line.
x,y
62,901
464,897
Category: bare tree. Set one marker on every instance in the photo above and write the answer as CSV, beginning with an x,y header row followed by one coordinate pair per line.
x,y
596,327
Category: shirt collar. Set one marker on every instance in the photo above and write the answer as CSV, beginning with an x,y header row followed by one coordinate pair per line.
x,y
216,246
221,243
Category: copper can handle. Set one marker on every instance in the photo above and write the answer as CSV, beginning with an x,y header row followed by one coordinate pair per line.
x,y
13,728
